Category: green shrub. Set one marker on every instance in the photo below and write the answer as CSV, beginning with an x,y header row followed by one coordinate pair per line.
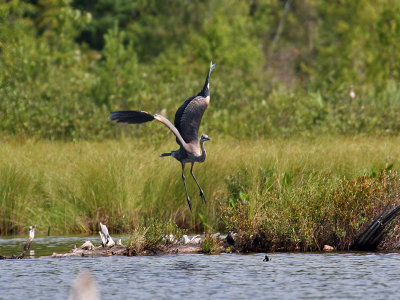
x,y
210,244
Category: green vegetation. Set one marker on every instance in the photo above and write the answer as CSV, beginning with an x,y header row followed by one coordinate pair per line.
x,y
66,65
303,122
309,218
153,236
211,245
290,187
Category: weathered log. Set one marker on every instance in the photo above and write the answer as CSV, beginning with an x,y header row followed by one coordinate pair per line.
x,y
84,251
194,240
26,247
370,238
29,241
88,250
187,245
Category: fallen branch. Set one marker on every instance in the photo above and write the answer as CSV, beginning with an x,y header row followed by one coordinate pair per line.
x,y
170,246
370,238
89,250
27,245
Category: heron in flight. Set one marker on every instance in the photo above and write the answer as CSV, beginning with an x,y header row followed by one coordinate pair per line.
x,y
187,122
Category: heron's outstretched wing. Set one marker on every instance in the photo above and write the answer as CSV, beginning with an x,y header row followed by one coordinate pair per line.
x,y
188,117
131,116
138,116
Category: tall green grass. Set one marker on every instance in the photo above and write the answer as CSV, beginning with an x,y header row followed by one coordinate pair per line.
x,y
69,187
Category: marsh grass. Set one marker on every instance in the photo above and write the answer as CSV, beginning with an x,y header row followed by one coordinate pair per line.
x,y
68,187
152,234
324,192
211,244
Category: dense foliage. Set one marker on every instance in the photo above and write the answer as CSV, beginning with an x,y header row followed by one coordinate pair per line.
x,y
65,65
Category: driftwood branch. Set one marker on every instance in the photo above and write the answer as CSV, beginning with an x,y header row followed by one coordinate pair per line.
x,y
27,245
30,238
170,246
370,238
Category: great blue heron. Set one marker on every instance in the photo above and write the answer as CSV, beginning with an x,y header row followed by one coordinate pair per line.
x,y
186,129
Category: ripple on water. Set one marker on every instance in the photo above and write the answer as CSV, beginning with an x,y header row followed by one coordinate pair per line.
x,y
286,276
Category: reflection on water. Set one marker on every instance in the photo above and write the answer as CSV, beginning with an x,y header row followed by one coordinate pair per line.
x,y
45,246
286,275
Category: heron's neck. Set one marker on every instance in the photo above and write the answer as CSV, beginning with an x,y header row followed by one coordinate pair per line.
x,y
203,151
205,92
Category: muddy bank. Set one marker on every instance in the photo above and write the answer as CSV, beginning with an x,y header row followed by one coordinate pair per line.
x,y
211,244
125,251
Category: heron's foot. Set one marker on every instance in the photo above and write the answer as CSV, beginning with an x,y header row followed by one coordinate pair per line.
x,y
203,197
190,204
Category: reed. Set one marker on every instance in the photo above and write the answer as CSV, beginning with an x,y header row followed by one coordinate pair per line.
x,y
68,187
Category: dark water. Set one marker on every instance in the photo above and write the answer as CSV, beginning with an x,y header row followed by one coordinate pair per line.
x,y
225,276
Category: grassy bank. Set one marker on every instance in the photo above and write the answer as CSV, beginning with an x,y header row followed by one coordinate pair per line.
x,y
284,188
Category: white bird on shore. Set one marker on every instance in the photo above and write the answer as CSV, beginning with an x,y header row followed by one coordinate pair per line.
x,y
106,239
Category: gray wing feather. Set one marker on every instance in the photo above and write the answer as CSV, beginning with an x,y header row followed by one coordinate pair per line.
x,y
190,118
131,116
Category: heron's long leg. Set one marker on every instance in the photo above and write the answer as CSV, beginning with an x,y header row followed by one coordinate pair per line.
x,y
184,182
203,197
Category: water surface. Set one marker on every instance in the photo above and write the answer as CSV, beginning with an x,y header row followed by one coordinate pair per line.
x,y
225,276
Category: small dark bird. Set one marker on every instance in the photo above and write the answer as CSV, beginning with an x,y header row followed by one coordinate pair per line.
x,y
266,258
230,238
187,122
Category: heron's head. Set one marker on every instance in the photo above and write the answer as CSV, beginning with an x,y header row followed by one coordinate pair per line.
x,y
204,137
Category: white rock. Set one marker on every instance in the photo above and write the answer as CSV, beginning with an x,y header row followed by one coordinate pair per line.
x,y
328,248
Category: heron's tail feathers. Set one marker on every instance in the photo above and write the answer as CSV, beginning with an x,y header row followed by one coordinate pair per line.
x,y
166,154
131,116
